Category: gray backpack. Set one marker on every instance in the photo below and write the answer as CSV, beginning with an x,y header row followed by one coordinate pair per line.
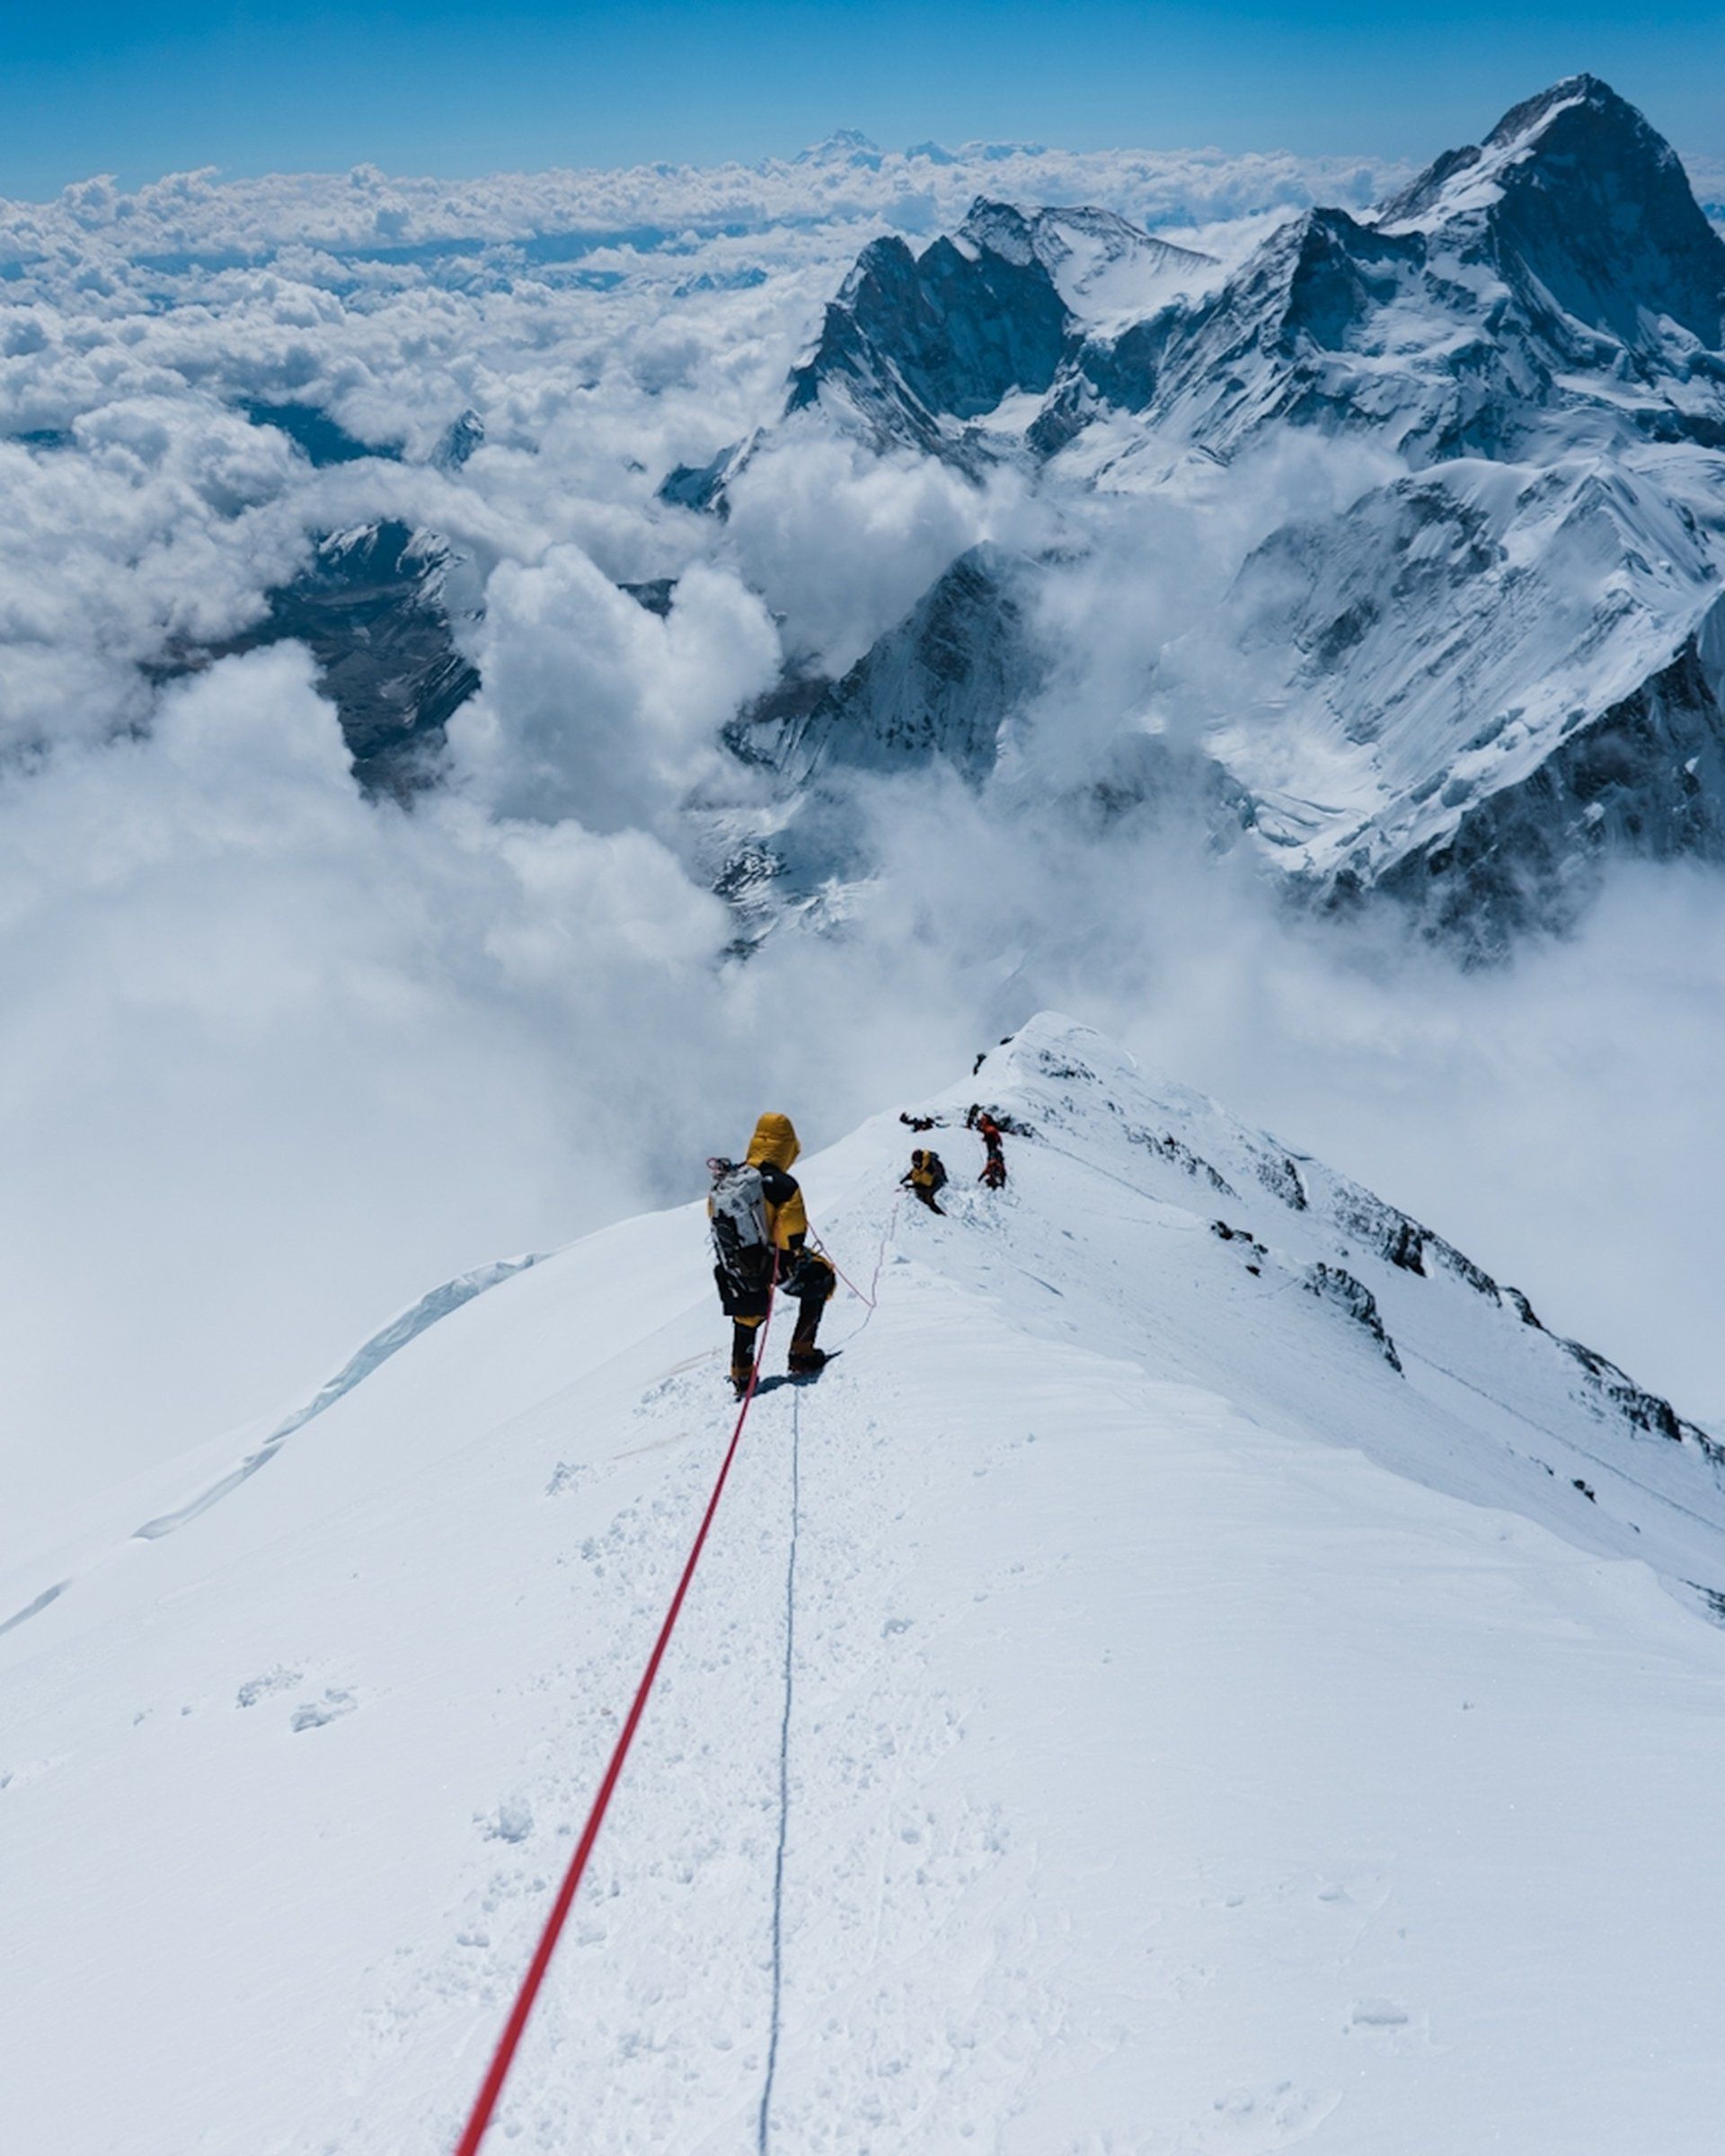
x,y
742,1247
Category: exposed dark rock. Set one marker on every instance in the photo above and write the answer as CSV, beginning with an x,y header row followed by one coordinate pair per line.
x,y
460,438
1330,1284
1598,216
1182,1157
1281,1177
700,486
937,686
1449,1260
947,333
1644,780
1407,1249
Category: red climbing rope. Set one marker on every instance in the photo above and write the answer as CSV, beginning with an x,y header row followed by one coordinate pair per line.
x,y
503,2057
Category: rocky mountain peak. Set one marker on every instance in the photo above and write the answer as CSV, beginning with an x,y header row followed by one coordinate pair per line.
x,y
957,328
1587,201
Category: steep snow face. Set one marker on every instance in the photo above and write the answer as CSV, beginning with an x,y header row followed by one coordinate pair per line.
x,y
1101,266
1441,642
1205,1669
1645,777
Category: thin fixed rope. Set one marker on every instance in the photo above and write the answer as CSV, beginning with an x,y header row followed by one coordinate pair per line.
x,y
765,2125
509,2042
879,1258
870,1301
839,1270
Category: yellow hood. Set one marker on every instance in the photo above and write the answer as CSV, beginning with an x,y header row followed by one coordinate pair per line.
x,y
774,1143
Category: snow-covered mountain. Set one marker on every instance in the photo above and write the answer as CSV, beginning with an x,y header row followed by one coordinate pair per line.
x,y
1492,664
1560,285
1205,1669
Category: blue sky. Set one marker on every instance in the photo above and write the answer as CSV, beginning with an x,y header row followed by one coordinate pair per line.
x,y
429,86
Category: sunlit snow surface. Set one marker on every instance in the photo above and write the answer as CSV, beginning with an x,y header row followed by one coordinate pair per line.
x,y
1205,1736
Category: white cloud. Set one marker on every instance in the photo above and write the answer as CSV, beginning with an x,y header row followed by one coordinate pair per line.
x,y
199,214
842,543
595,708
282,1058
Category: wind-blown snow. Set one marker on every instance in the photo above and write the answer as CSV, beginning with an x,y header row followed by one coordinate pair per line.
x,y
1204,1735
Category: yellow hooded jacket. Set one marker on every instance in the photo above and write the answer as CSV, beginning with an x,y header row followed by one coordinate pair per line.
x,y
772,1149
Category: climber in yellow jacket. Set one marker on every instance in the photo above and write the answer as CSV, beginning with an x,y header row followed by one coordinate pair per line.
x,y
760,1229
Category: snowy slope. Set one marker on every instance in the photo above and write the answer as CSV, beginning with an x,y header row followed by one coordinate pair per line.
x,y
1441,644
1201,1693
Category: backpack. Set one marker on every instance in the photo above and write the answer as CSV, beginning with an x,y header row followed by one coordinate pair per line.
x,y
742,1247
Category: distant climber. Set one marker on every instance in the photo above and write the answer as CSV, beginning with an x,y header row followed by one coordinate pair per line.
x,y
916,1122
993,1168
760,1230
926,1177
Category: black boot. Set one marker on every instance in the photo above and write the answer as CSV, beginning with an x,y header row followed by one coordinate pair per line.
x,y
742,1359
807,1360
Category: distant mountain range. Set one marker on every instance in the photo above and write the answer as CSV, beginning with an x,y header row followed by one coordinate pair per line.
x,y
1476,680
1495,667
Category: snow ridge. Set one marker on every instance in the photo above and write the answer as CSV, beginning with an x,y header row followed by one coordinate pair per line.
x,y
1200,1723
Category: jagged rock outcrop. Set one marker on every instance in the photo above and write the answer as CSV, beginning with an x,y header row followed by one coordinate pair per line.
x,y
949,333
916,343
463,435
